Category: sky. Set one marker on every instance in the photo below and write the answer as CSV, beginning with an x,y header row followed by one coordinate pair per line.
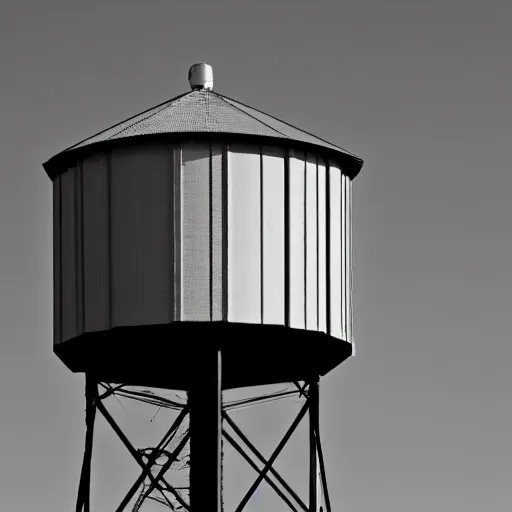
x,y
421,418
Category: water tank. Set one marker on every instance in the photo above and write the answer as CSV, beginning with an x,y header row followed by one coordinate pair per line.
x,y
202,221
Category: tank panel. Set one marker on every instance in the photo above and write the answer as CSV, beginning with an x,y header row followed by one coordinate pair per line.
x,y
217,232
348,257
273,236
297,241
69,256
140,233
244,234
96,240
311,244
195,232
57,268
335,259
322,247
344,260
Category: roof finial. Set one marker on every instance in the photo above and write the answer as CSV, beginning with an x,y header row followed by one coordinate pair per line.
x,y
200,77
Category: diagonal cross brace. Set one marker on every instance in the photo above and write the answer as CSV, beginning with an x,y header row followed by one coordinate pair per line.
x,y
135,454
152,458
273,457
240,450
168,463
302,389
278,477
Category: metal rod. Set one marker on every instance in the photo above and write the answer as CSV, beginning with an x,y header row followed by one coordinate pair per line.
x,y
273,457
110,390
256,400
240,450
84,487
302,389
150,396
254,450
152,458
313,422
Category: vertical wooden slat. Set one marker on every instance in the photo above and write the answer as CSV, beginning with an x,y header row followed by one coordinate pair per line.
x,y
69,255
350,333
57,261
328,248
311,273
177,232
322,246
216,233
225,233
196,232
244,234
110,264
172,255
96,232
343,237
140,235
297,241
273,234
287,238
262,240
336,256
79,230
304,242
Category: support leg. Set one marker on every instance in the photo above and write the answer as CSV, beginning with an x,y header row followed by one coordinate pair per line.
x,y
313,425
84,487
205,404
322,471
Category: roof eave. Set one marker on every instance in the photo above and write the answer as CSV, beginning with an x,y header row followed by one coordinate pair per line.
x,y
55,165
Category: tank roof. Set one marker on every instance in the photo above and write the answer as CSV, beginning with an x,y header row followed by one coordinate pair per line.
x,y
206,112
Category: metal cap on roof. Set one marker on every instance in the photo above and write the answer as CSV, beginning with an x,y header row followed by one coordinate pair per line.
x,y
200,76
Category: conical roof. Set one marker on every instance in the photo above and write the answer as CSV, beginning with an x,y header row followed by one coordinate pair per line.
x,y
207,112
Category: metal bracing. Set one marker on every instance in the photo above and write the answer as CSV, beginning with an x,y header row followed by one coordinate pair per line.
x,y
262,459
158,482
309,390
231,432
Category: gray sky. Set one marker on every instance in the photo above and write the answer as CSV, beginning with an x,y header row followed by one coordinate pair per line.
x,y
421,419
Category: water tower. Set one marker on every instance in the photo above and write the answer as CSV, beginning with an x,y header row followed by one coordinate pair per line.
x,y
207,232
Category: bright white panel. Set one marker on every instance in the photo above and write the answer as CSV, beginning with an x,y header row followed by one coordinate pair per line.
x,y
348,195
297,241
216,233
335,271
195,232
322,249
344,303
273,236
311,246
244,235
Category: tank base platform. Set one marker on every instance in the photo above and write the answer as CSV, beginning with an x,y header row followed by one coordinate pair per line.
x,y
169,356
